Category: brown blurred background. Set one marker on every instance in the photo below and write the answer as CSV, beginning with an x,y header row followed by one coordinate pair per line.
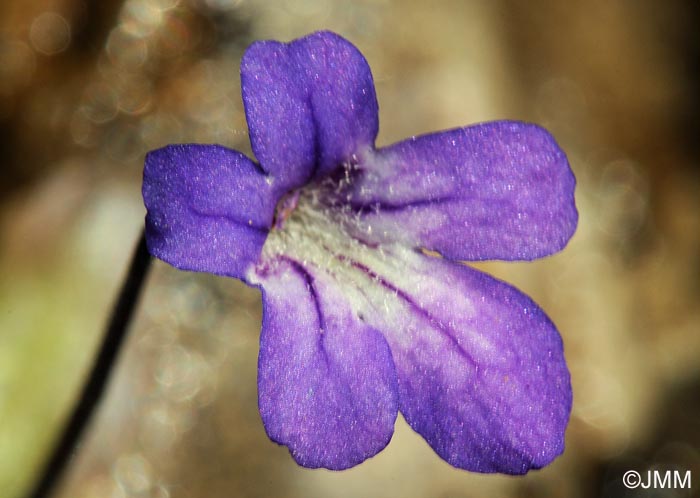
x,y
87,88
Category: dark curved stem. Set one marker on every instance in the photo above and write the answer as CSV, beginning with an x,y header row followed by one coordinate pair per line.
x,y
101,370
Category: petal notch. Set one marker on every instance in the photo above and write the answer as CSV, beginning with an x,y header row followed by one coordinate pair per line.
x,y
310,105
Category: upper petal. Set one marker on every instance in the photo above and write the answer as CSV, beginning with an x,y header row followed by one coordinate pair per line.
x,y
500,190
310,105
327,385
209,208
481,369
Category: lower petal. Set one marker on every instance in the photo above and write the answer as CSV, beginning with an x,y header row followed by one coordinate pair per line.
x,y
327,386
481,369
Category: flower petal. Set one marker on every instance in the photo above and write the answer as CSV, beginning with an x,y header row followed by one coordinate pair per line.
x,y
209,208
500,190
310,105
327,385
482,375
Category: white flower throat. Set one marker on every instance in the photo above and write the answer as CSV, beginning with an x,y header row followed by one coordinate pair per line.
x,y
384,283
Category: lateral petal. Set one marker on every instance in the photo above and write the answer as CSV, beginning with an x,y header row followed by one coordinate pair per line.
x,y
209,208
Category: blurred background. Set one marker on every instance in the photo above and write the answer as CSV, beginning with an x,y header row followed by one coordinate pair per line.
x,y
87,88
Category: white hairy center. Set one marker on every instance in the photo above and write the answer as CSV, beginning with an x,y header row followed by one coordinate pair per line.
x,y
317,235
376,279
319,238
390,286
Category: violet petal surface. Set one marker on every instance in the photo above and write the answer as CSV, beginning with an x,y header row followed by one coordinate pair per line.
x,y
209,208
327,385
482,374
310,105
500,190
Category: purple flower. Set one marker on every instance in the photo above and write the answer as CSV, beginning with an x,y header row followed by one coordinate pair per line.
x,y
361,318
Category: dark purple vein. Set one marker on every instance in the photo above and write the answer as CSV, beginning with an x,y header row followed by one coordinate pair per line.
x,y
400,206
411,302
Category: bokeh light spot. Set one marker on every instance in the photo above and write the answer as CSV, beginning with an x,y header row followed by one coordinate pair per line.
x,y
50,33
